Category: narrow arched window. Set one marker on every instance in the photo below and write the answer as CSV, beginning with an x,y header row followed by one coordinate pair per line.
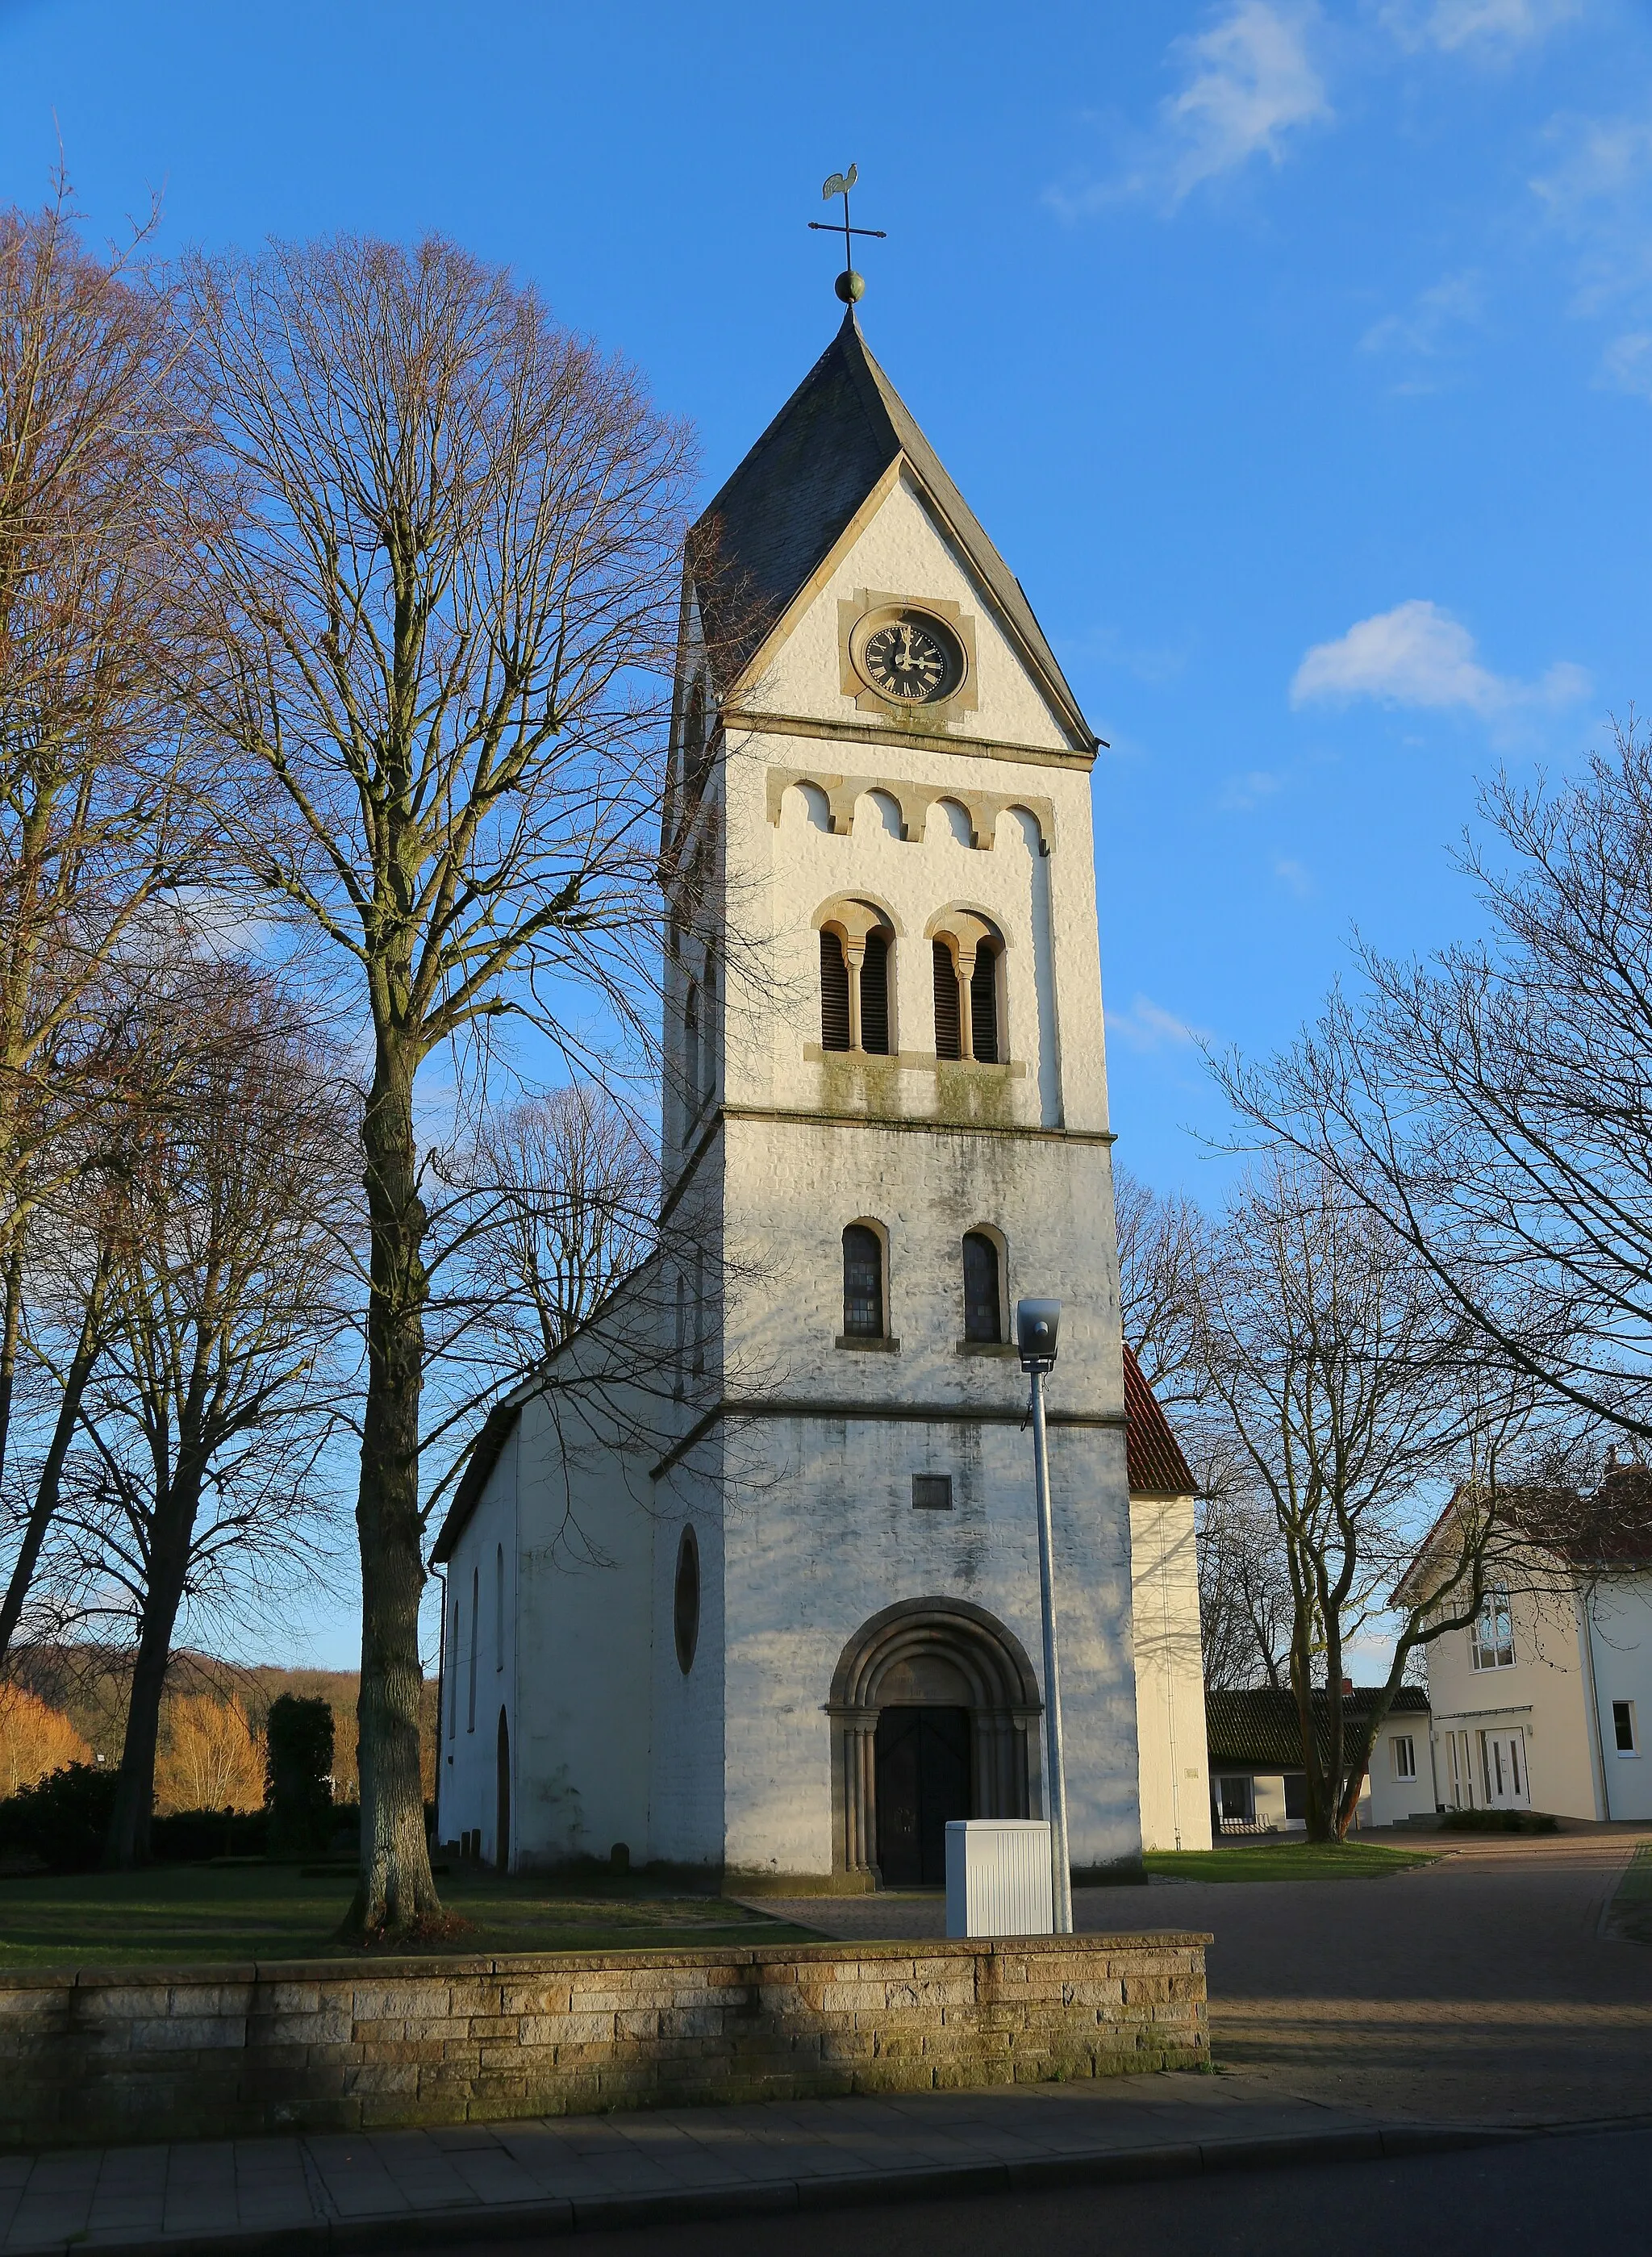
x,y
453,1673
863,1284
499,1606
704,1095
694,760
685,1600
983,1006
949,1033
691,1051
983,1305
874,996
476,1608
834,994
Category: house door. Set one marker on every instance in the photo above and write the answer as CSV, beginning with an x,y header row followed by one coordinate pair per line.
x,y
1503,1771
923,1780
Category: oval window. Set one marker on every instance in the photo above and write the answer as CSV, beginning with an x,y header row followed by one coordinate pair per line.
x,y
685,1610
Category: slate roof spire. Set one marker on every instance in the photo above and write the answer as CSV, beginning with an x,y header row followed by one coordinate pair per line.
x,y
775,522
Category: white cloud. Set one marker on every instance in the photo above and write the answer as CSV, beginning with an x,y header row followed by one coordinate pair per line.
x,y
1249,83
1429,332
1417,655
1457,27
1147,1026
1627,365
1242,793
1598,194
1294,875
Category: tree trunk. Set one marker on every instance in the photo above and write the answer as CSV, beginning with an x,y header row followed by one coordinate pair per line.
x,y
47,1488
128,1843
10,1325
397,1893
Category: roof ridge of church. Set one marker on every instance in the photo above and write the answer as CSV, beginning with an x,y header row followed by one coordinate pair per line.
x,y
781,511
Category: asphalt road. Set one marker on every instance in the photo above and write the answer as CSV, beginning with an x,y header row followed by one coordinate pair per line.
x,y
1541,2196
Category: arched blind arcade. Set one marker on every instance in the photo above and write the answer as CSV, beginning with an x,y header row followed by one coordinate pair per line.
x,y
863,1284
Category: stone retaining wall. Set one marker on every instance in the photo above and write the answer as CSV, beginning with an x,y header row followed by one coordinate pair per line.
x,y
213,2052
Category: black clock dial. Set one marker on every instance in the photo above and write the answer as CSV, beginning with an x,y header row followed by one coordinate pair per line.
x,y
913,658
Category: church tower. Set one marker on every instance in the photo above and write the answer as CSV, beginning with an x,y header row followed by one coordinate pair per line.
x,y
800,1630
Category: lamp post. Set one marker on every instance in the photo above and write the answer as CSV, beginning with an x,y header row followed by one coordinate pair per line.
x,y
1037,1324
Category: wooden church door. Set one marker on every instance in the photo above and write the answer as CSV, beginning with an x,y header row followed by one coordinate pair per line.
x,y
923,1780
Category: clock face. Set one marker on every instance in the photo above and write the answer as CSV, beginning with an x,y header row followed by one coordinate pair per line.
x,y
914,658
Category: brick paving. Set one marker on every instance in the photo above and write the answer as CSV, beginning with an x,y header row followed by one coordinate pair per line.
x,y
1488,1986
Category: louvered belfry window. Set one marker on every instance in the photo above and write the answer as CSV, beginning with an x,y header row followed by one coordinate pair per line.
x,y
984,1006
948,1039
834,994
982,1319
863,1282
874,996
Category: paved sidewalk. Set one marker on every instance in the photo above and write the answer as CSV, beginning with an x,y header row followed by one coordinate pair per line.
x,y
481,2182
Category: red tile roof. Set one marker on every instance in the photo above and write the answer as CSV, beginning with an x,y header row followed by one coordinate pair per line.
x,y
1152,1453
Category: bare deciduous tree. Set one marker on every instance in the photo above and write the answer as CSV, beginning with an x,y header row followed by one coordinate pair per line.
x,y
1342,1370
1493,1105
447,591
206,1417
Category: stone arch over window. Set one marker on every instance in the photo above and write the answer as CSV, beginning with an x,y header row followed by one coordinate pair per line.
x,y
866,1281
967,952
934,1652
984,1269
856,984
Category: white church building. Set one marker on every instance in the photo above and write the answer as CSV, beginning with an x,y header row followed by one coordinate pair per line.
x,y
747,1577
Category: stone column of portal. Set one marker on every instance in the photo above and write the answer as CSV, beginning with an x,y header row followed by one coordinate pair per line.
x,y
860,1797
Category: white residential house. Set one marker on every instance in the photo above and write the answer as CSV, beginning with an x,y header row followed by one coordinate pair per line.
x,y
1543,1702
1255,1757
767,1606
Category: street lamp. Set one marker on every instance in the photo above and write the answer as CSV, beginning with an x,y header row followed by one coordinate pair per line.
x,y
1037,1324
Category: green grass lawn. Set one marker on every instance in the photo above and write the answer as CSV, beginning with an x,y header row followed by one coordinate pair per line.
x,y
1290,1860
180,1914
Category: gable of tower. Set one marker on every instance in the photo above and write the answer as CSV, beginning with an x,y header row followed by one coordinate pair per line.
x,y
845,472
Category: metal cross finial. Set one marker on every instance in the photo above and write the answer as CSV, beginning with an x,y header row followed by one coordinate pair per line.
x,y
850,287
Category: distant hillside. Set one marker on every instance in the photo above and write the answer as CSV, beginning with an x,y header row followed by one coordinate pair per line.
x,y
88,1683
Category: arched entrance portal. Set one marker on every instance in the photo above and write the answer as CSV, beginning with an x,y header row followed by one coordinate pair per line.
x,y
502,1800
931,1705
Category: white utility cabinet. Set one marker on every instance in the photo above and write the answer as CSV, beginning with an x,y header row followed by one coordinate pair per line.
x,y
999,1876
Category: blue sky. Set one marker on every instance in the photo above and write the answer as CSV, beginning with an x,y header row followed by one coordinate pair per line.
x,y
1298,357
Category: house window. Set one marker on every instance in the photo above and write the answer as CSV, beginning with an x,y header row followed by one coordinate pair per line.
x,y
834,994
983,1006
1623,1727
1295,1794
932,1492
949,1029
1405,1755
863,1284
982,1309
1492,1639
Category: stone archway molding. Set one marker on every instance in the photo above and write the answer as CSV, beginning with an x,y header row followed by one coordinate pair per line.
x,y
895,1649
